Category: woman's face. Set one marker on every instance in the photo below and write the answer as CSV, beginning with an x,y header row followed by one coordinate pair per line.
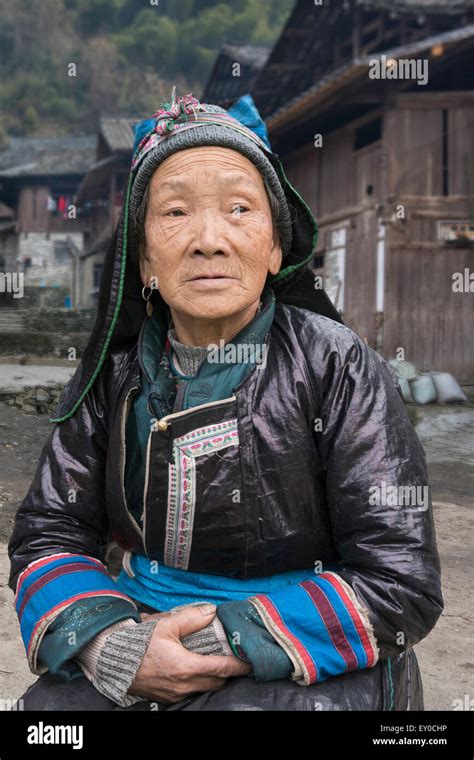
x,y
210,240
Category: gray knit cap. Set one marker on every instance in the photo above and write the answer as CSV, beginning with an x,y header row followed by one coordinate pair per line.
x,y
210,134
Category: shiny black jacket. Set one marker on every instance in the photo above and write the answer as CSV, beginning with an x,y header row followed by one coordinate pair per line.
x,y
319,426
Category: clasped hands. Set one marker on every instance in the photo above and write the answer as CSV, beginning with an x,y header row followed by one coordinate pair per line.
x,y
169,672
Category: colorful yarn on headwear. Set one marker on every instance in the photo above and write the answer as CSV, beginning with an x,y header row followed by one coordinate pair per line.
x,y
184,105
185,112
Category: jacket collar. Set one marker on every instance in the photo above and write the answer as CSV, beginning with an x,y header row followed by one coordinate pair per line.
x,y
225,367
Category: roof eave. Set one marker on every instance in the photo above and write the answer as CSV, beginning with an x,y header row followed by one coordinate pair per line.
x,y
319,92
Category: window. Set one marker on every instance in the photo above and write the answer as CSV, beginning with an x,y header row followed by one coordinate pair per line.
x,y
97,275
445,153
334,266
61,252
367,134
380,268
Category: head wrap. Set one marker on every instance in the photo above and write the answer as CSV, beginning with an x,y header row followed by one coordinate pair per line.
x,y
186,123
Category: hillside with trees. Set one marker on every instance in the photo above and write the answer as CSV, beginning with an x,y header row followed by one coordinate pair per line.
x,y
62,62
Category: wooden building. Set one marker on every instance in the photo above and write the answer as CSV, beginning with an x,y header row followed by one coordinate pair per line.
x,y
102,190
371,108
234,72
43,234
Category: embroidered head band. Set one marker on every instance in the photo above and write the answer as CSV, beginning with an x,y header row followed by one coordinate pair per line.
x,y
185,113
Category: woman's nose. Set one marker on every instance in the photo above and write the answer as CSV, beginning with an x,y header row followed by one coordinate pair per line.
x,y
210,235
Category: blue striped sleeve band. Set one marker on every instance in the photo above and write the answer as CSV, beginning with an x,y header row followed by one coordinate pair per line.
x,y
48,586
321,625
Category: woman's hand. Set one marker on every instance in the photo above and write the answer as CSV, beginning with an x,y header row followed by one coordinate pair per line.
x,y
169,672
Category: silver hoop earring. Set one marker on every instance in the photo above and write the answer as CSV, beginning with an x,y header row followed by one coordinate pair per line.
x,y
149,305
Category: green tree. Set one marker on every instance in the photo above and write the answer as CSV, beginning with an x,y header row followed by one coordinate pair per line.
x,y
151,40
30,119
98,15
128,54
179,11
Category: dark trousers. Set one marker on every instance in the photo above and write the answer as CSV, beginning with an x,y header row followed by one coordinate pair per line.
x,y
389,685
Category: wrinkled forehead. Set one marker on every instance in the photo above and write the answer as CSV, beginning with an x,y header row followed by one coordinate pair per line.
x,y
206,165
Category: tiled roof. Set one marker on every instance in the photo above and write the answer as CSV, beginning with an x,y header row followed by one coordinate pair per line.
x,y
430,6
222,84
35,156
117,131
347,72
250,55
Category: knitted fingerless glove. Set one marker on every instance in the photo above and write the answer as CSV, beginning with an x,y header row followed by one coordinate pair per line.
x,y
209,640
112,660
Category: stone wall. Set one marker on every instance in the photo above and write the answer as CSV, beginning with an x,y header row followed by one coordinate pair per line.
x,y
35,400
59,320
47,266
43,344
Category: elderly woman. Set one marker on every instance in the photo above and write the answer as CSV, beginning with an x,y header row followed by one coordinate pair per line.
x,y
250,454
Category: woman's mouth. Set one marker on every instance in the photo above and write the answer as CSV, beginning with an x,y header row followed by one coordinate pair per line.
x,y
211,281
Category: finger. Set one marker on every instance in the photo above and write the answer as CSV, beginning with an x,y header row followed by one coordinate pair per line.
x,y
217,665
154,615
204,683
191,619
173,690
192,689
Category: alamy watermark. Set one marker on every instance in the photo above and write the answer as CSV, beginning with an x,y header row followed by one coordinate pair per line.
x,y
463,282
12,282
385,495
43,733
242,353
7,704
415,69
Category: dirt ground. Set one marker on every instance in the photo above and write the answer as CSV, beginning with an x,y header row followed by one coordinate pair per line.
x,y
446,656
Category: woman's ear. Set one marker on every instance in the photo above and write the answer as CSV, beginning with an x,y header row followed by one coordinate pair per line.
x,y
276,255
145,271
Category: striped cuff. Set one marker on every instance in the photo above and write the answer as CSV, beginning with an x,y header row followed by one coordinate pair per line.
x,y
321,625
89,655
50,585
119,661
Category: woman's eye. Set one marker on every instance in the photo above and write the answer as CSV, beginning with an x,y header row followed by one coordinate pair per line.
x,y
240,209
175,212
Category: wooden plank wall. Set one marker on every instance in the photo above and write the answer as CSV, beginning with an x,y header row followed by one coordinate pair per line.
x,y
421,311
360,275
366,163
414,139
423,315
461,151
302,169
33,212
332,179
336,183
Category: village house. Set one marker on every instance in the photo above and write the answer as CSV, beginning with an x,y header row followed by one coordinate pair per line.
x,y
102,189
370,105
41,231
234,72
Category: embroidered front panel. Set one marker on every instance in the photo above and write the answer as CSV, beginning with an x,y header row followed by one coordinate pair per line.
x,y
182,485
